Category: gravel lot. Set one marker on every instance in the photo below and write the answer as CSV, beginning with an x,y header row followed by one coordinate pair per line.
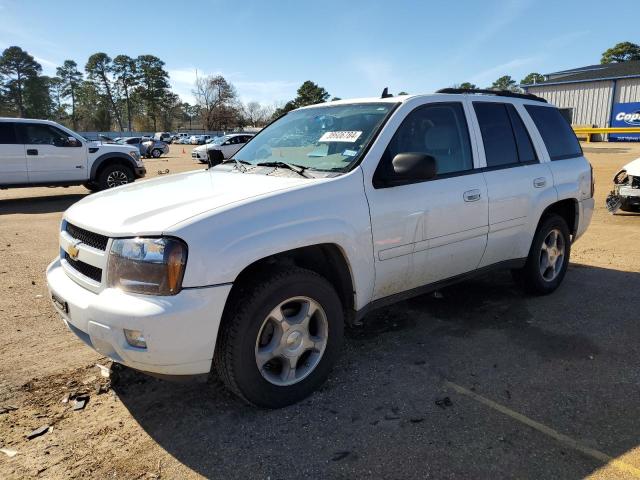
x,y
480,382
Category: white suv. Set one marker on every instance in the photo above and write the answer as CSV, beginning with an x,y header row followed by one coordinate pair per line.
x,y
44,153
254,266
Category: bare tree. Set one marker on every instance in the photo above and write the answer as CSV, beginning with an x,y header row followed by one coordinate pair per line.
x,y
256,114
217,101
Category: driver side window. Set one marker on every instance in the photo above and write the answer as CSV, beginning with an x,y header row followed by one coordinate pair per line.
x,y
439,130
40,134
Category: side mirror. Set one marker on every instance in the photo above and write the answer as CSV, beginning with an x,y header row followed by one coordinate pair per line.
x,y
214,157
73,142
414,166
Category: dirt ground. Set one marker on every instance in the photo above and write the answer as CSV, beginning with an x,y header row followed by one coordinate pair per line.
x,y
478,382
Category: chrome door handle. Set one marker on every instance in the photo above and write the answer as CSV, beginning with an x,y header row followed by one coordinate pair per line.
x,y
539,182
471,195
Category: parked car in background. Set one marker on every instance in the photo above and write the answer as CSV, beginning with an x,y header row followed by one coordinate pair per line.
x,y
44,153
228,145
199,139
626,189
147,146
163,137
179,136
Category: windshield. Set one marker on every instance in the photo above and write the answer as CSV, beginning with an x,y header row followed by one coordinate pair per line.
x,y
328,138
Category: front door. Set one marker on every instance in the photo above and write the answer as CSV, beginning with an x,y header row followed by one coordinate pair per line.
x,y
13,163
51,156
428,231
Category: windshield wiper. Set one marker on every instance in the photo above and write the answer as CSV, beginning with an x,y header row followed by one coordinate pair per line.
x,y
299,169
240,164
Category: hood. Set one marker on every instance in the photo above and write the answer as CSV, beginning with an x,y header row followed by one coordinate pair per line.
x,y
114,147
152,206
633,168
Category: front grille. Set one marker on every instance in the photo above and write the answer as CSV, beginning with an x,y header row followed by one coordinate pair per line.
x,y
92,239
94,273
635,182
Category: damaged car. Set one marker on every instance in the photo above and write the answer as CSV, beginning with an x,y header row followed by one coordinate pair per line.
x,y
625,195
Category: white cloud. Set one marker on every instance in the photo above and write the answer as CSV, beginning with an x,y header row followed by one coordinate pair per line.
x,y
488,75
267,92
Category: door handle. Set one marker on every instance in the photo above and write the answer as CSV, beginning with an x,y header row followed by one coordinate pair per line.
x,y
539,182
32,151
471,195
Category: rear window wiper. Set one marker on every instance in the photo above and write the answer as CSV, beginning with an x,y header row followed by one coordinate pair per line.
x,y
299,169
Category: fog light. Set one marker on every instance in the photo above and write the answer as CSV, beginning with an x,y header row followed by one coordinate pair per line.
x,y
135,338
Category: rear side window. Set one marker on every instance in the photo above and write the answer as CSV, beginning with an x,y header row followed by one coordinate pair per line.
x,y
556,132
7,133
497,135
526,152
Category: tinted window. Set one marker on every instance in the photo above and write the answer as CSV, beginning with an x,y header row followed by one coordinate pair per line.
x,y
439,130
526,152
556,132
40,134
7,133
497,134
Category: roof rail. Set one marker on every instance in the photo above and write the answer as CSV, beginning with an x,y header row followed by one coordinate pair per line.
x,y
497,93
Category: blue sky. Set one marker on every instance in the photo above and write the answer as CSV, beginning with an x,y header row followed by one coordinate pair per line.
x,y
352,48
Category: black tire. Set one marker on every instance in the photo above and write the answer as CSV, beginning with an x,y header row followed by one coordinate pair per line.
x,y
530,277
91,186
156,152
235,355
627,206
114,175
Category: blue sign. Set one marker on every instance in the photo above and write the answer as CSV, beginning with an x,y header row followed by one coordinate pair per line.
x,y
625,115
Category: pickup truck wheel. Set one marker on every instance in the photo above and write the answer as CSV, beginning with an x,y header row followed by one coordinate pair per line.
x,y
548,258
156,152
280,338
114,176
93,187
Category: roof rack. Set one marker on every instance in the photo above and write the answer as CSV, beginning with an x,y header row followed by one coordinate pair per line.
x,y
497,93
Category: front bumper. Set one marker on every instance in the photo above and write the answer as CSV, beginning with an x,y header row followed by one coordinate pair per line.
x,y
199,157
180,330
140,172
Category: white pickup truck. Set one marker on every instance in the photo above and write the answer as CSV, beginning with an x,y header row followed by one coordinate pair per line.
x,y
253,267
44,153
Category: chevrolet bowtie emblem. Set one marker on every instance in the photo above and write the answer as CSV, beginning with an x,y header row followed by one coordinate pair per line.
x,y
73,251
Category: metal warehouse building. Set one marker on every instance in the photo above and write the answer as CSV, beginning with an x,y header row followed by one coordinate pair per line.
x,y
595,95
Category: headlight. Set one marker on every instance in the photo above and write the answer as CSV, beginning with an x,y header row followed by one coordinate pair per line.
x,y
152,266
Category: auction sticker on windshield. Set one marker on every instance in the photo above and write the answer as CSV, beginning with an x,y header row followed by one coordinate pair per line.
x,y
341,136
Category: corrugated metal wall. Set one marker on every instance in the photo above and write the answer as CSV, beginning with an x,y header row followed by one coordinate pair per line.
x,y
590,101
628,90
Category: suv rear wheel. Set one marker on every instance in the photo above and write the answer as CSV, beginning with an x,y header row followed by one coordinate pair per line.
x,y
280,337
548,258
156,152
114,176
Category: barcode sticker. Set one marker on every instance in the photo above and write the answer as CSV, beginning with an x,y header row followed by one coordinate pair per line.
x,y
341,136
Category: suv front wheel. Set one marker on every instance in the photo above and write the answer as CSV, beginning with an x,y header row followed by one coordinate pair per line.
x,y
280,337
548,258
114,176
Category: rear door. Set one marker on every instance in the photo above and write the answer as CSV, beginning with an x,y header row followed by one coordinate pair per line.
x,y
51,157
517,181
13,163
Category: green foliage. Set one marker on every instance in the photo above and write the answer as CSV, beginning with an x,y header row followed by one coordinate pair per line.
x,y
467,86
18,68
621,52
505,83
309,93
70,78
532,78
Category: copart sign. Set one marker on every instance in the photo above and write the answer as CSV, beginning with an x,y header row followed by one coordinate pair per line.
x,y
625,115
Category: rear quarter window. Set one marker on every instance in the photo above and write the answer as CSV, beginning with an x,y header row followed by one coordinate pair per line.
x,y
555,131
